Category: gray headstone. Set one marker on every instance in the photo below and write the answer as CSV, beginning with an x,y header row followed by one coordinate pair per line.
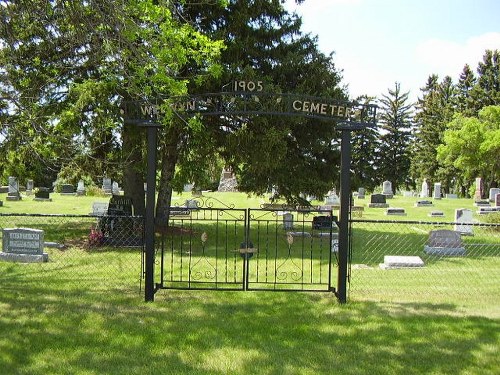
x,y
13,190
23,245
361,193
463,220
106,185
387,189
493,193
437,191
287,221
444,242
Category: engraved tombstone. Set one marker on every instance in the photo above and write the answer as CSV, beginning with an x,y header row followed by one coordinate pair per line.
x,y
378,201
497,200
67,189
23,245
444,242
387,189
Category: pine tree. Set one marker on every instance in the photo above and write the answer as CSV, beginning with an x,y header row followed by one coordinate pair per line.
x,y
396,125
434,110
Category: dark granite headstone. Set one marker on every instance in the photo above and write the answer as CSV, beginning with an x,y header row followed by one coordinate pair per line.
x,y
378,201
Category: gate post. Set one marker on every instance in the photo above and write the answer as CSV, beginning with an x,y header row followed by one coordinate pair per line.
x,y
345,201
149,228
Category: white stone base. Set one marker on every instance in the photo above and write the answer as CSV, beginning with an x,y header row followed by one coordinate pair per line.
x,y
395,261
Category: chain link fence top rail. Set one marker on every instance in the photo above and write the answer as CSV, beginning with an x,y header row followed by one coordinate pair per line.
x,y
83,252
425,262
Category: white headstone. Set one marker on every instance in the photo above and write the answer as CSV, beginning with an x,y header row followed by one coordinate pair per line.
x,y
80,189
424,192
387,189
463,220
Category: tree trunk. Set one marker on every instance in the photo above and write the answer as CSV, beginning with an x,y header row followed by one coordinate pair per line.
x,y
133,172
169,156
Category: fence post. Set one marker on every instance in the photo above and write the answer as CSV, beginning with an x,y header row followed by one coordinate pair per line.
x,y
345,201
149,230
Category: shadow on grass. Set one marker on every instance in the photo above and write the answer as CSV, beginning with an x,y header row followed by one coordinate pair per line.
x,y
49,331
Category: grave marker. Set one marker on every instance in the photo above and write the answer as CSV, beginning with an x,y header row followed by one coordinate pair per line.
x,y
444,242
478,194
395,211
398,261
387,189
106,186
493,193
424,203
361,193
42,194
378,201
67,189
23,245
13,190
80,189
437,191
424,192
463,218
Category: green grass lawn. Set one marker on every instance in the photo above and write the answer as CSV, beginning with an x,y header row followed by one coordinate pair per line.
x,y
83,312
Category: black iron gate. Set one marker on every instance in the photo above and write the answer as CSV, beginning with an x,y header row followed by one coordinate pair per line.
x,y
272,248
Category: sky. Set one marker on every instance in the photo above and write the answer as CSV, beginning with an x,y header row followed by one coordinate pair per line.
x,y
377,43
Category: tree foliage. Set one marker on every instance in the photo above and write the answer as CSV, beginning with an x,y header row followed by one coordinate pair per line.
x,y
471,145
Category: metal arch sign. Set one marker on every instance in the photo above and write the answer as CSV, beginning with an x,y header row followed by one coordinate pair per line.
x,y
253,103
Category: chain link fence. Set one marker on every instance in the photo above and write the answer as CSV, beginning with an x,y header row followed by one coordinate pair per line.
x,y
425,261
81,253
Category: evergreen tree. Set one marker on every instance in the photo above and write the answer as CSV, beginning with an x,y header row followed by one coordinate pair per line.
x,y
487,89
263,42
395,122
434,110
466,83
364,151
